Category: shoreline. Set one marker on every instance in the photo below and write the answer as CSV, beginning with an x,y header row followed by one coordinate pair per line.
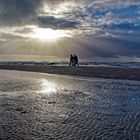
x,y
95,72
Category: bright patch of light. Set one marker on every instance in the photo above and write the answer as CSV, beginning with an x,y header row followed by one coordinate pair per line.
x,y
48,87
59,10
47,9
48,34
65,7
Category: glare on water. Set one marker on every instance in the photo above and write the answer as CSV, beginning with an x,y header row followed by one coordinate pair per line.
x,y
48,87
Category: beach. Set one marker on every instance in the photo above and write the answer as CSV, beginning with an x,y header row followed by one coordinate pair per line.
x,y
69,70
86,71
60,107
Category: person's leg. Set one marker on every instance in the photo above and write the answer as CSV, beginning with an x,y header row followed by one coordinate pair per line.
x,y
74,63
70,63
77,64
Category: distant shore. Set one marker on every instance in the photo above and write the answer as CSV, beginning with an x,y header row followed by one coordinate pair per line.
x,y
97,72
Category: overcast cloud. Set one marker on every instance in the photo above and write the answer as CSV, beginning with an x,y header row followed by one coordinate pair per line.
x,y
88,16
108,19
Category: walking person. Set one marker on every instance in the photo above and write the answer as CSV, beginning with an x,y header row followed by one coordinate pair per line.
x,y
71,60
75,60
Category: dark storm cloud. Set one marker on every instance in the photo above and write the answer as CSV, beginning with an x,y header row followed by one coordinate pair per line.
x,y
109,18
53,22
18,11
22,12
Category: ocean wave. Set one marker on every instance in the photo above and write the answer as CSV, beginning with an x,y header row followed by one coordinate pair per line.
x,y
66,63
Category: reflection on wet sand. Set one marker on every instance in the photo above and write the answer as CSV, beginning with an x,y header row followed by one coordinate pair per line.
x,y
76,108
48,87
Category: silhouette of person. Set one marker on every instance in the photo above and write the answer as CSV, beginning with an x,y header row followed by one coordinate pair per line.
x,y
75,57
71,60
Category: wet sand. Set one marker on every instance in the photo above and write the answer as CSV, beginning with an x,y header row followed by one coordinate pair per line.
x,y
97,72
37,106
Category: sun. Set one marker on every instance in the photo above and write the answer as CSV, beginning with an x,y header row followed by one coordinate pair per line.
x,y
48,34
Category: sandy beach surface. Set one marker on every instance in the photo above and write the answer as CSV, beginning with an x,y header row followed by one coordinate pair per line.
x,y
38,106
97,72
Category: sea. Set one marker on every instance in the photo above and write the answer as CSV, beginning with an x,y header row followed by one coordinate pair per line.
x,y
66,63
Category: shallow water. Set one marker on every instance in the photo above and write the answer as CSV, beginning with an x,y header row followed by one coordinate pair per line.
x,y
43,106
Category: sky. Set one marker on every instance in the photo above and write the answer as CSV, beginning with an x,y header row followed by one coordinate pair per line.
x,y
54,29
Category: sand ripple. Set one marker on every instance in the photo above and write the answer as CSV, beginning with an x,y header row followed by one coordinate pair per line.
x,y
78,109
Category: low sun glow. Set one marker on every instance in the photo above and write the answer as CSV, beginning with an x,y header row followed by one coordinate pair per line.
x,y
48,34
